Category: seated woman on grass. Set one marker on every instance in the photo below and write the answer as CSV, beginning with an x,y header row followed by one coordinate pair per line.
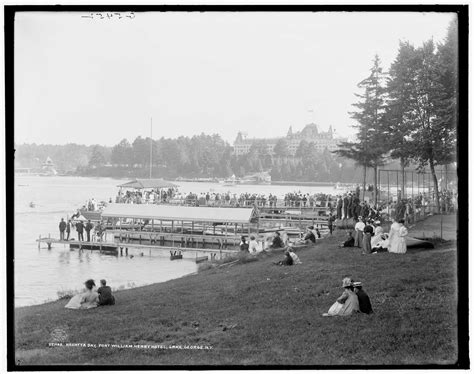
x,y
309,237
379,241
294,257
347,303
86,300
277,241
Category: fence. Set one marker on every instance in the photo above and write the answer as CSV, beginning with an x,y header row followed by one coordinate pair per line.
x,y
417,191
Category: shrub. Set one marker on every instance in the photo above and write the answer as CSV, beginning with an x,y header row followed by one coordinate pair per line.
x,y
66,294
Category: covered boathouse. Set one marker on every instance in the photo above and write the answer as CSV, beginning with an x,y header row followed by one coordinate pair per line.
x,y
180,227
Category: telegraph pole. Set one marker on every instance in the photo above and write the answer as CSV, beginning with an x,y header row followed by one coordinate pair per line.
x,y
151,143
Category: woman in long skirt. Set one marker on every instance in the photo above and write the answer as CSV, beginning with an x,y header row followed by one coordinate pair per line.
x,y
347,303
366,241
397,241
358,232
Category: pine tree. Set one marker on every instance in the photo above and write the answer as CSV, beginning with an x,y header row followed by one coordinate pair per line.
x,y
398,124
368,151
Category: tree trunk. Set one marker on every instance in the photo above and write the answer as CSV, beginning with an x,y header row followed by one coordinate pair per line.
x,y
365,177
435,182
402,160
375,185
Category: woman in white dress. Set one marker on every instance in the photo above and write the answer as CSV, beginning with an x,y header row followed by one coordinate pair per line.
x,y
253,245
86,300
396,239
359,232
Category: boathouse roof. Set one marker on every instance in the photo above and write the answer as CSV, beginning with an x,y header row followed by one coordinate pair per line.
x,y
147,183
180,213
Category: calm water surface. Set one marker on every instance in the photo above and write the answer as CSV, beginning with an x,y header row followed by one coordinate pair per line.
x,y
41,273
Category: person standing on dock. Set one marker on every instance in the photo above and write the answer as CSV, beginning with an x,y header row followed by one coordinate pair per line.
x,y
62,228
89,227
80,231
68,229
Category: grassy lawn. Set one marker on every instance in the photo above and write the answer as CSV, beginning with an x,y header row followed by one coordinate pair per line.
x,y
262,314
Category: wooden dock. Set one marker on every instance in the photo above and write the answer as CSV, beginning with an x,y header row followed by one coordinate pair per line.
x,y
120,247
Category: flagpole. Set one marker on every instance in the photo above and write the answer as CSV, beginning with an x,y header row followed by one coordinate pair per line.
x,y
151,143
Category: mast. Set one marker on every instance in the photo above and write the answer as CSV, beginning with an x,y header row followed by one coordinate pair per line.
x,y
151,143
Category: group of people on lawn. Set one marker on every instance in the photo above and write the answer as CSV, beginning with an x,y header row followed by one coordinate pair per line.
x,y
372,239
92,297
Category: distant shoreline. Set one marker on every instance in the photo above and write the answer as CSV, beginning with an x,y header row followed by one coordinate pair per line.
x,y
295,183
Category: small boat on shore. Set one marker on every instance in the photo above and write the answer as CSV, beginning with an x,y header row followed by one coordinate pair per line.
x,y
176,255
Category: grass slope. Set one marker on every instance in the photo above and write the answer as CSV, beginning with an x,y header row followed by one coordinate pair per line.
x,y
261,314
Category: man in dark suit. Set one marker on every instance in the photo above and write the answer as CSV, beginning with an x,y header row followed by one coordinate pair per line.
x,y
80,231
355,206
349,206
339,208
345,204
330,223
62,228
105,294
364,302
89,227
68,229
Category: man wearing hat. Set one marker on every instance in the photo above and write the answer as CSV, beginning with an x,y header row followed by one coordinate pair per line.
x,y
364,302
62,228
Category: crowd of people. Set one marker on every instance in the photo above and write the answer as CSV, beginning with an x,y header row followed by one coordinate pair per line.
x,y
245,199
92,297
154,196
370,237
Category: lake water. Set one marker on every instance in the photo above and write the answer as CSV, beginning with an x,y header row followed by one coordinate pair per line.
x,y
41,273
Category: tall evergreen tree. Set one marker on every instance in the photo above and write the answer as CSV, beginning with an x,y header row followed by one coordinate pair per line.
x,y
398,123
369,148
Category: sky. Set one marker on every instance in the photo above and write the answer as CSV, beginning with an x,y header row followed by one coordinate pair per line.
x,y
97,81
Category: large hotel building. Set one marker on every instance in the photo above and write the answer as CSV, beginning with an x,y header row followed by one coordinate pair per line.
x,y
310,133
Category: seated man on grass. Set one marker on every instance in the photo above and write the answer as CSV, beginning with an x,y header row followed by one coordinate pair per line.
x,y
105,294
349,242
287,261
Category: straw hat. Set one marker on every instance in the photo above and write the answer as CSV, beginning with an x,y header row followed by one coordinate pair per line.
x,y
346,282
357,284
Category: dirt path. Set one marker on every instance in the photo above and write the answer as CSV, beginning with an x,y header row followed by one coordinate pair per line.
x,y
438,226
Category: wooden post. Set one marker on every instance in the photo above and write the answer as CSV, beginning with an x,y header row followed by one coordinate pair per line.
x,y
39,242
